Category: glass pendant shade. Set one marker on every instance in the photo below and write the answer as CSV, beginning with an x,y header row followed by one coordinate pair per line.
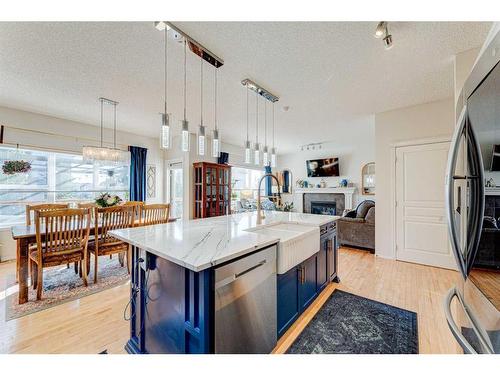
x,y
165,141
248,153
265,156
256,158
185,136
273,158
201,140
215,144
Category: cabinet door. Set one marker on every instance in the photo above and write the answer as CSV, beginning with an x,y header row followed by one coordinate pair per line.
x,y
332,256
288,299
307,286
322,264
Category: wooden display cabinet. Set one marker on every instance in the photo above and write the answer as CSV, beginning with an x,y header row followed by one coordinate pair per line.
x,y
212,189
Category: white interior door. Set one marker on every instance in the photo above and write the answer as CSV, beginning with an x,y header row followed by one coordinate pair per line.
x,y
421,228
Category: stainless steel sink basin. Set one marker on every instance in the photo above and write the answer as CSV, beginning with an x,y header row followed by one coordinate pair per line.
x,y
297,242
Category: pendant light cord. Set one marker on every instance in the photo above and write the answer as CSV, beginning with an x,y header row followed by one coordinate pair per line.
x,y
265,123
256,118
201,91
215,98
185,45
114,126
247,112
101,120
166,69
273,126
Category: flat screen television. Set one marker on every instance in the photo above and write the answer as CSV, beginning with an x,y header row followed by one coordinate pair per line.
x,y
323,167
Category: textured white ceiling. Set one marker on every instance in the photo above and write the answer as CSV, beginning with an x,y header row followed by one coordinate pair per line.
x,y
328,73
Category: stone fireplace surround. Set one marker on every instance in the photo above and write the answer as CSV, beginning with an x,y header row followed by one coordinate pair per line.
x,y
339,200
341,196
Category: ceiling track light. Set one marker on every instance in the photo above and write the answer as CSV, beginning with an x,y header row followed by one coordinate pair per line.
x,y
382,32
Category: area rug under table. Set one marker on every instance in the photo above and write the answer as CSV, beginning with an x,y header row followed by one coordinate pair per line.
x,y
61,285
350,324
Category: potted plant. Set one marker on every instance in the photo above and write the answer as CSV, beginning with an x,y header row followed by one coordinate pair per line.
x,y
107,200
11,167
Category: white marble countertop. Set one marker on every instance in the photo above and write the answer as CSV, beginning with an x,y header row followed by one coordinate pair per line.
x,y
203,243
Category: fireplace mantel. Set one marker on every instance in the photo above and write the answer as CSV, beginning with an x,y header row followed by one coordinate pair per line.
x,y
347,191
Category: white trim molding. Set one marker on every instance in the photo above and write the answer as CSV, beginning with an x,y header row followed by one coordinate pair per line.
x,y
347,191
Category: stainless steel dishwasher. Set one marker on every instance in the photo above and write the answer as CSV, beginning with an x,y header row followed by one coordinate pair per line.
x,y
245,304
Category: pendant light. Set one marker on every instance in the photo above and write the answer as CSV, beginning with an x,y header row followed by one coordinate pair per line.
x,y
248,151
265,151
273,149
165,135
111,155
184,122
215,135
256,158
201,129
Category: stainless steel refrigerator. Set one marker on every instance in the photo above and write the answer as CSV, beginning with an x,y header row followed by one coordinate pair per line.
x,y
472,306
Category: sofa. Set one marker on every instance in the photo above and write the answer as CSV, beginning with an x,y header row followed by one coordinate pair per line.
x,y
357,227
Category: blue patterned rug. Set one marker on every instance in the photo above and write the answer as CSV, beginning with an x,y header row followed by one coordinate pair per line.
x,y
350,324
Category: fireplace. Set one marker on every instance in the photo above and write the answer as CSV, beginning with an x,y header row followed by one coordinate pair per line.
x,y
324,207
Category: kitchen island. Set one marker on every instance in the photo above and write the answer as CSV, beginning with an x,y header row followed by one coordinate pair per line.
x,y
225,284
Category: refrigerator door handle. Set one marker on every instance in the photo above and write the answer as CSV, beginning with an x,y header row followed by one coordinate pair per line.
x,y
476,189
450,194
468,349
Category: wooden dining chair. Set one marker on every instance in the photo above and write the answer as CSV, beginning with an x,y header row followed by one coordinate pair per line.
x,y
91,205
30,209
65,237
151,214
137,208
107,219
42,207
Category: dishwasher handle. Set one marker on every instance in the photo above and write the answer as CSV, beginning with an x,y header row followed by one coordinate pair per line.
x,y
230,279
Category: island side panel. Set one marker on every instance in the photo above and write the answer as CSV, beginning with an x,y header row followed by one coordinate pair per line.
x,y
173,308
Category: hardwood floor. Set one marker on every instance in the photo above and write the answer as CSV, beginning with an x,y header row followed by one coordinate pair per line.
x,y
95,323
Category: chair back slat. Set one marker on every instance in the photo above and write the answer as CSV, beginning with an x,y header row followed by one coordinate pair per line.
x,y
152,214
65,231
31,208
111,218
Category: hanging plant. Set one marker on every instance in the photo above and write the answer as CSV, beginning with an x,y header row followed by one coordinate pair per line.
x,y
11,167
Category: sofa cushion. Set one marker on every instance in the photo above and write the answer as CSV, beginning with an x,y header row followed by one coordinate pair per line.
x,y
363,208
370,216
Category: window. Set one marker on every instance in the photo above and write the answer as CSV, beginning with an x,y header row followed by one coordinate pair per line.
x,y
244,183
55,177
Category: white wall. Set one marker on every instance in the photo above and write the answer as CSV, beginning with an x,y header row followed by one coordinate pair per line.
x,y
354,146
67,136
435,119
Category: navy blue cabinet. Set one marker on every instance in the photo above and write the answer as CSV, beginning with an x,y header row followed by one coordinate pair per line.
x,y
298,287
322,266
288,299
308,284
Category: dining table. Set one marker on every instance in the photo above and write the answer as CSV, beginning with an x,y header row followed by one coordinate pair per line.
x,y
25,235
